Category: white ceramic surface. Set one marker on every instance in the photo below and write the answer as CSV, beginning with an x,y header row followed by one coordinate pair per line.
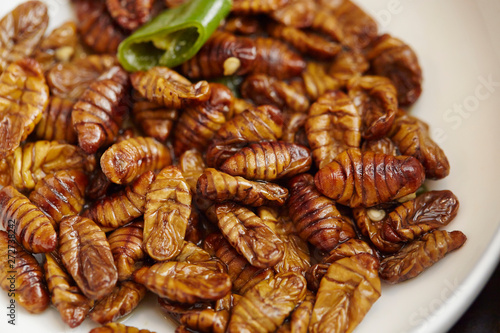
x,y
459,50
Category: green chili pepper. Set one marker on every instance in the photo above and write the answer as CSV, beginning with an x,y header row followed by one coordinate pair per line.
x,y
174,36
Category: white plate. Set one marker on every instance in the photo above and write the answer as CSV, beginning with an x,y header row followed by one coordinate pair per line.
x,y
459,50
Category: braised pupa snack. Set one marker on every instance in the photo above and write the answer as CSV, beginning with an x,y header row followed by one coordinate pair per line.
x,y
29,287
243,275
220,187
168,88
23,97
268,161
276,59
257,6
126,245
59,46
266,90
125,161
392,58
412,138
60,194
249,235
315,216
420,254
130,14
35,160
20,36
86,255
31,227
183,282
333,126
222,55
380,178
69,80
264,307
168,206
155,120
96,26
346,293
120,302
198,124
265,123
121,207
98,114
206,195
56,123
65,295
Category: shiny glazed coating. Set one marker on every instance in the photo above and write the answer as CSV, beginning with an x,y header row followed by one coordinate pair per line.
x,y
265,123
35,160
264,307
381,146
86,255
166,87
130,14
168,207
249,235
419,255
155,120
98,114
183,282
242,24
358,28
212,59
333,126
300,317
121,207
348,64
315,216
198,124
220,187
264,89
56,123
125,161
269,161
366,179
349,248
392,58
118,328
317,81
408,221
65,295
96,26
28,283
59,46
69,80
24,95
296,13
294,132
412,137
120,302
126,245
243,275
275,58
206,320
60,194
192,165
306,42
376,101
346,293
21,30
296,256
256,6
32,228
